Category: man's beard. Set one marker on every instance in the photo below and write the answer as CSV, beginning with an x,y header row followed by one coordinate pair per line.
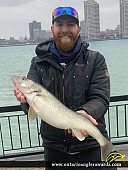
x,y
65,43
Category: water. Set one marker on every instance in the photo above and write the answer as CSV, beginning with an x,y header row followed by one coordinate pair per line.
x,y
13,60
116,54
17,59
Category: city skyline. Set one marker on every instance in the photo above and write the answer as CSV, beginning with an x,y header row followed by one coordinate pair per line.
x,y
15,16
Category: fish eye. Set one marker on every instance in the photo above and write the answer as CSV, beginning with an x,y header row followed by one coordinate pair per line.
x,y
23,78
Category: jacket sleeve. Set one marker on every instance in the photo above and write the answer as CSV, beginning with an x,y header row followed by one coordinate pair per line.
x,y
98,95
34,76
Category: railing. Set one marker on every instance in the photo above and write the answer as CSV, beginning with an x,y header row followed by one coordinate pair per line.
x,y
19,137
117,119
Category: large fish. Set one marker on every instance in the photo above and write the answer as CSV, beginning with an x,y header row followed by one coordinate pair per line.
x,y
52,111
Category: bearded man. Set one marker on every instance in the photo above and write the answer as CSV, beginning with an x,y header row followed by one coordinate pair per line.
x,y
77,77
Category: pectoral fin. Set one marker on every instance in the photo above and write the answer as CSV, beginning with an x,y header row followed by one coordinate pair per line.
x,y
35,107
78,134
32,112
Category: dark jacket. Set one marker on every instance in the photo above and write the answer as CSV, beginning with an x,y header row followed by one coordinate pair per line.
x,y
83,84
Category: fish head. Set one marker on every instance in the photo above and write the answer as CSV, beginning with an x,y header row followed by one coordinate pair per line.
x,y
25,85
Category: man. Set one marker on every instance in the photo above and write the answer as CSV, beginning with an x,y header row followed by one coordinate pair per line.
x,y
78,77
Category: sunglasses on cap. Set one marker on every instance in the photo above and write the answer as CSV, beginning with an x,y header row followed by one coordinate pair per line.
x,y
61,11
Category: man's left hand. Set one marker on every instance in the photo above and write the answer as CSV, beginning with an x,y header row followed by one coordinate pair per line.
x,y
85,133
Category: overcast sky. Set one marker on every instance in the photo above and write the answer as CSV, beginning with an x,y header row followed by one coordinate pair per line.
x,y
16,14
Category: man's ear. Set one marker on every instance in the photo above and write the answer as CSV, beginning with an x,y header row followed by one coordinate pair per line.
x,y
79,28
52,28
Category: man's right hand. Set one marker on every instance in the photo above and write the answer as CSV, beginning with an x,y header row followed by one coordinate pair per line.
x,y
19,95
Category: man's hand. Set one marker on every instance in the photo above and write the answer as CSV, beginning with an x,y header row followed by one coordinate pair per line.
x,y
19,95
90,118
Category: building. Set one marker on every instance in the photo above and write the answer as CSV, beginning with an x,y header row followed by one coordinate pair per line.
x,y
92,20
42,35
82,31
124,18
110,34
34,26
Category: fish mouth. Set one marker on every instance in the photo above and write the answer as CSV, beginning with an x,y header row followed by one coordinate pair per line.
x,y
16,80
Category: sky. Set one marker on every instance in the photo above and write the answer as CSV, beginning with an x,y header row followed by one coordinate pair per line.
x,y
16,14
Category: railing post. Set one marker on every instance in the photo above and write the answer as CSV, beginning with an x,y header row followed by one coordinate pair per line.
x,y
2,144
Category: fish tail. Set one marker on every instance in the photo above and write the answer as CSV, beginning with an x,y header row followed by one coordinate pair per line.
x,y
106,149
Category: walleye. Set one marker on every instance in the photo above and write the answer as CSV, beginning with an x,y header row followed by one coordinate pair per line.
x,y
52,111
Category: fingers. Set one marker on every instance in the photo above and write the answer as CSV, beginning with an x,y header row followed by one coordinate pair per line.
x,y
19,95
71,132
93,120
23,99
84,133
89,117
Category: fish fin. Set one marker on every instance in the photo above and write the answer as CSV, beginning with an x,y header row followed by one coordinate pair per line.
x,y
35,107
106,149
78,134
31,113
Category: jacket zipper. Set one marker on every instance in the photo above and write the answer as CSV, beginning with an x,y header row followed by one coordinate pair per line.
x,y
63,97
62,93
63,90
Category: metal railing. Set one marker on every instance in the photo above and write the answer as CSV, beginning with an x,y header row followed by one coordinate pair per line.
x,y
19,137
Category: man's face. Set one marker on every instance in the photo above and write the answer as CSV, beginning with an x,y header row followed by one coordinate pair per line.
x,y
65,33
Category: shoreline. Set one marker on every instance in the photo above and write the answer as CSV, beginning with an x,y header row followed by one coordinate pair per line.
x,y
25,44
10,45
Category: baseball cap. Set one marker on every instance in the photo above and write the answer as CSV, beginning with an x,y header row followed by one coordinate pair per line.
x,y
65,11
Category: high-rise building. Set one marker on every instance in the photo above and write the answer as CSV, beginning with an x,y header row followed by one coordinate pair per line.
x,y
34,26
92,20
82,31
124,18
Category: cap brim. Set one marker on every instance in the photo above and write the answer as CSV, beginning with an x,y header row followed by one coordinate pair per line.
x,y
65,15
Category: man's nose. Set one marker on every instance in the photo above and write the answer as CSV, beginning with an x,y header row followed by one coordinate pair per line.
x,y
65,28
